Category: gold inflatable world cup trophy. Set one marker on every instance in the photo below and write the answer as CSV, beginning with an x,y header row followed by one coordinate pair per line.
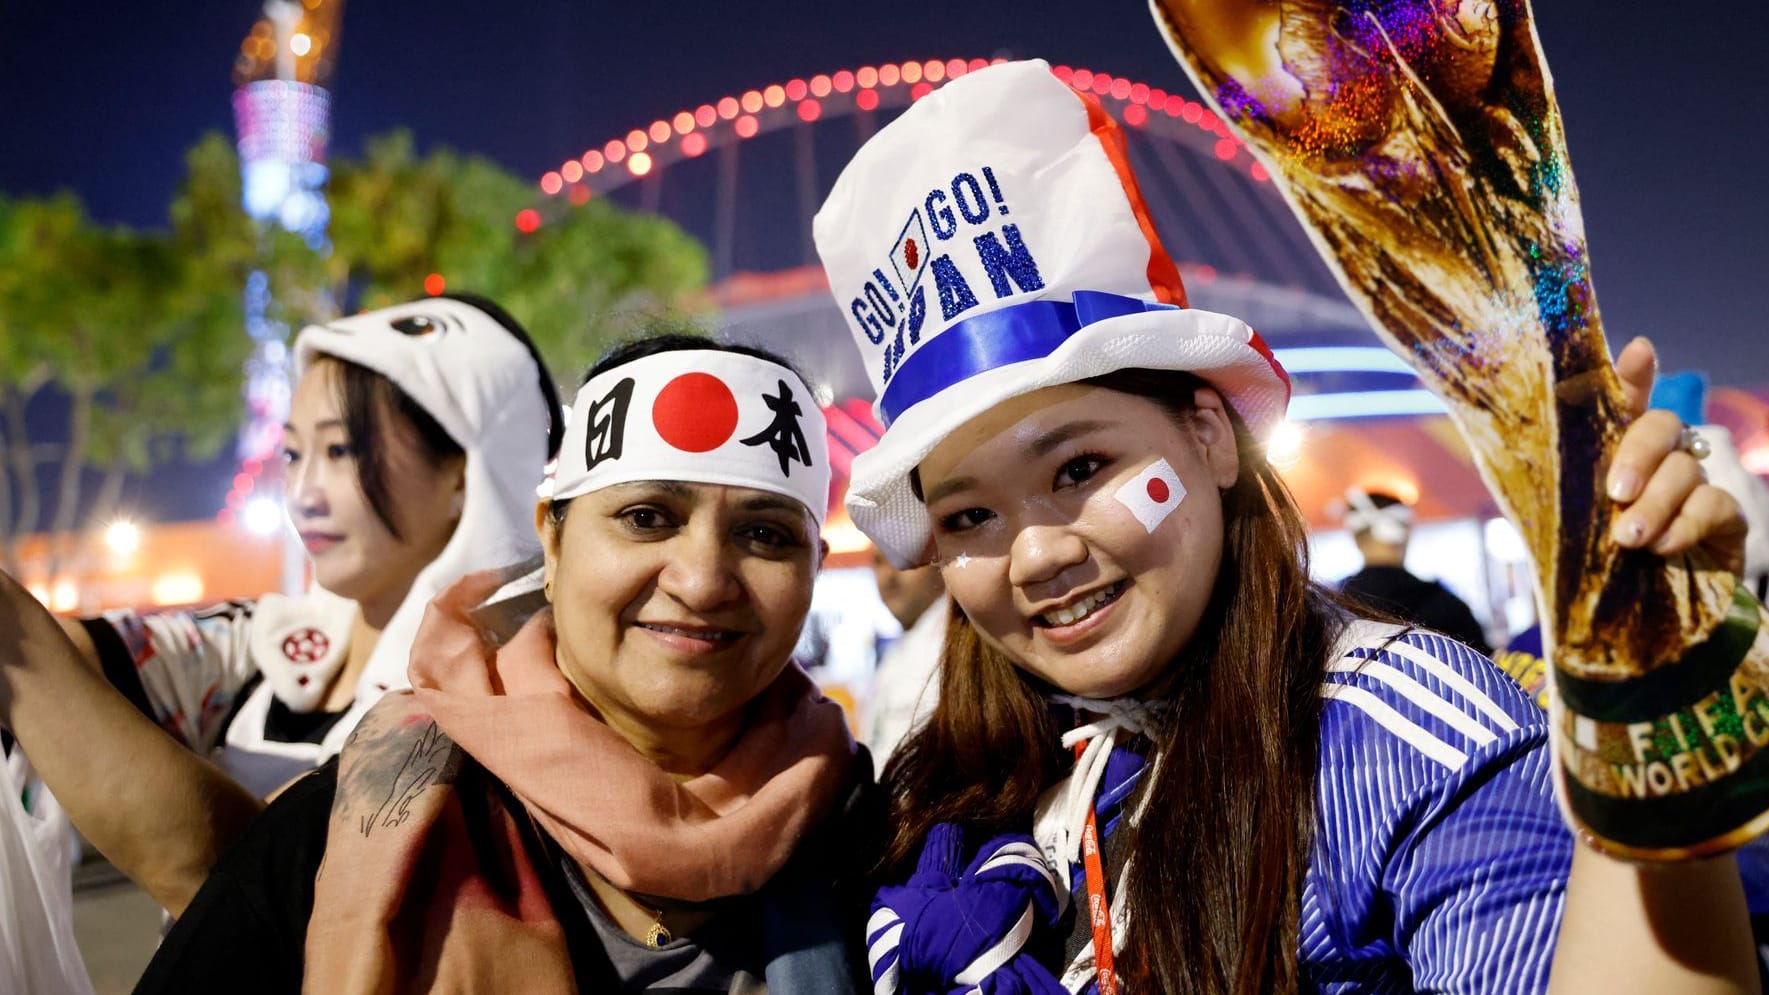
x,y
1420,143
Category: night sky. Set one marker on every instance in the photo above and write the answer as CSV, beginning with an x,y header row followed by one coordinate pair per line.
x,y
1666,107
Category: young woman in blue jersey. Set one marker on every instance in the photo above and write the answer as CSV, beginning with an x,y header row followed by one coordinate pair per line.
x,y
415,438
1164,759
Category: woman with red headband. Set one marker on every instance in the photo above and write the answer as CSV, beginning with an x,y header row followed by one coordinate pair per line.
x,y
632,790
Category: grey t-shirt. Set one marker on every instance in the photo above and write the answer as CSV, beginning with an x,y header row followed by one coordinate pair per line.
x,y
723,957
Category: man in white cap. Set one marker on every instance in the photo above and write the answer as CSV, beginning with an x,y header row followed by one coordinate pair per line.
x,y
1382,524
906,682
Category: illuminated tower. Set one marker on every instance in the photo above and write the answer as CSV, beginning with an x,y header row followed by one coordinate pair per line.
x,y
282,113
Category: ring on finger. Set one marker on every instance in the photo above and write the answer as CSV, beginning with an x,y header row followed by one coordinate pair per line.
x,y
1691,442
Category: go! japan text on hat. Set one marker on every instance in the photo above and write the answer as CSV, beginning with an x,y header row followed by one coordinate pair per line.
x,y
990,242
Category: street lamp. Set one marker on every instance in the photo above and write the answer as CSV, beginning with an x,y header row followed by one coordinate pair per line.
x,y
122,537
262,516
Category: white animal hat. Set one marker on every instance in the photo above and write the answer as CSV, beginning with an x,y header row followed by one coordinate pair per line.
x,y
470,367
990,242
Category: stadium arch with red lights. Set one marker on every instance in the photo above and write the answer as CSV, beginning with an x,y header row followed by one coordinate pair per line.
x,y
691,133
1342,375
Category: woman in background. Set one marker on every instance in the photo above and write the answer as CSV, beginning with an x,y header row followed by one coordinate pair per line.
x,y
415,436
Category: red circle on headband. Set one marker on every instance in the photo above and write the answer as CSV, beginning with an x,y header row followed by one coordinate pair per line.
x,y
695,412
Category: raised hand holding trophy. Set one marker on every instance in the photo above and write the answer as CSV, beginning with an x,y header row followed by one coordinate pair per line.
x,y
1420,143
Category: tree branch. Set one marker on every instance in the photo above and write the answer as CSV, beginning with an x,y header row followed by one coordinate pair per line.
x,y
67,495
22,460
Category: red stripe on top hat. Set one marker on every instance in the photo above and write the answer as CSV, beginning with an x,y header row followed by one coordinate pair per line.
x,y
1258,343
1163,275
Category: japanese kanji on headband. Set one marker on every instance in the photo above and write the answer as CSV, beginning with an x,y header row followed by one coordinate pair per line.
x,y
699,416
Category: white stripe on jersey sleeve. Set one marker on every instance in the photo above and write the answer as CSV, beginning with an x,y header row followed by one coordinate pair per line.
x,y
1410,689
1447,674
1385,716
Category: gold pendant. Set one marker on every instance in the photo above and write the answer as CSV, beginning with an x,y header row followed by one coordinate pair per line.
x,y
657,935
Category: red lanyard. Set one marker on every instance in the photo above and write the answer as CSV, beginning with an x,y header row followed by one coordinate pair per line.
x,y
1099,911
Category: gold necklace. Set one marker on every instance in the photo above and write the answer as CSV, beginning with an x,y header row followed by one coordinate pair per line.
x,y
658,934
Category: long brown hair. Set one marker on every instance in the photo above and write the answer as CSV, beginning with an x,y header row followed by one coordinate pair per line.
x,y
1221,849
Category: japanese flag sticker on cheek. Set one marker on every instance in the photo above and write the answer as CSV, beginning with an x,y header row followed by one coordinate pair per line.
x,y
1152,495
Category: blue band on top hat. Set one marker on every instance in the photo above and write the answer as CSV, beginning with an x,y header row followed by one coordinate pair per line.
x,y
1013,334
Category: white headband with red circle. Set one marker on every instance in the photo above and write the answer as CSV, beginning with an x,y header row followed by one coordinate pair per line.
x,y
697,416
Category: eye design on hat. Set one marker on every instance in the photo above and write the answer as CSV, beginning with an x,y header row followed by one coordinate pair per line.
x,y
423,325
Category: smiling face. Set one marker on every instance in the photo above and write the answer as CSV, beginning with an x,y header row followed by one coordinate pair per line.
x,y
675,604
354,554
1039,509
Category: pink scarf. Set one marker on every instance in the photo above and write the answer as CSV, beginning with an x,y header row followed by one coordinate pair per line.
x,y
725,832
411,898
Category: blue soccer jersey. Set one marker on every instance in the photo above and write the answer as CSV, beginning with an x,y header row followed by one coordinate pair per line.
x,y
1440,860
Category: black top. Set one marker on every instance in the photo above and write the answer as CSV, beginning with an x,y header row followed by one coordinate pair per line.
x,y
283,724
1424,603
247,927
721,955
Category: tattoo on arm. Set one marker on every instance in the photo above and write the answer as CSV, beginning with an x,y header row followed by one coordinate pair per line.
x,y
387,788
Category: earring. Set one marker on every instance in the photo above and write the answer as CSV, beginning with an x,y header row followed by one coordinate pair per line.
x,y
547,589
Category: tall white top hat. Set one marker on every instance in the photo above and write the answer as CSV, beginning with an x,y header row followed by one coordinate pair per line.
x,y
990,242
